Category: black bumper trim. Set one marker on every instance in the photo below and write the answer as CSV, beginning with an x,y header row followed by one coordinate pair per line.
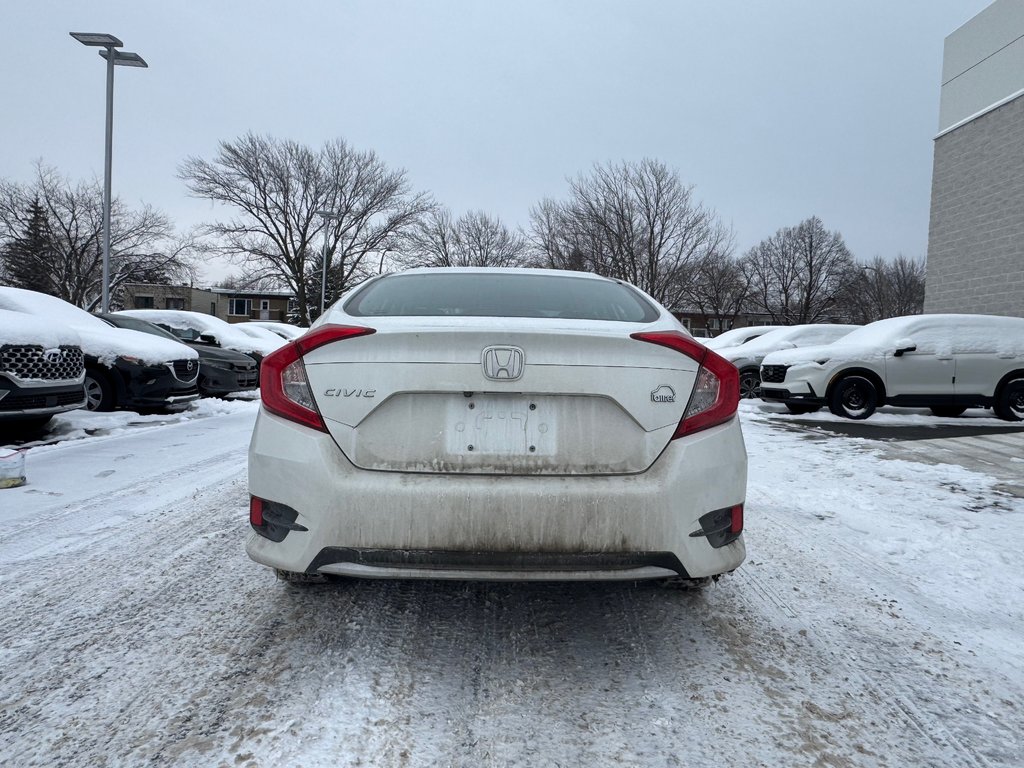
x,y
775,395
470,560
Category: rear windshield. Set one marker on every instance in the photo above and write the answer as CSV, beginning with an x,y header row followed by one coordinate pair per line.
x,y
487,294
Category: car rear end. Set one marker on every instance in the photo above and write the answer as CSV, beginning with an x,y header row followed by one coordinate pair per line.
x,y
599,444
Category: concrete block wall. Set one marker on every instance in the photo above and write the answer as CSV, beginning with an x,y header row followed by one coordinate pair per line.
x,y
976,230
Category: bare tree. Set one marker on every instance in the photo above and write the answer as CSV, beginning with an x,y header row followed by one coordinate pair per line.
x,y
717,287
797,275
143,245
883,288
475,239
275,188
632,221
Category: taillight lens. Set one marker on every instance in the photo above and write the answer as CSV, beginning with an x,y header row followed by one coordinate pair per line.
x,y
284,387
716,388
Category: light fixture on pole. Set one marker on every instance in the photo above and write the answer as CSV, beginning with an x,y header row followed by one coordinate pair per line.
x,y
328,216
109,44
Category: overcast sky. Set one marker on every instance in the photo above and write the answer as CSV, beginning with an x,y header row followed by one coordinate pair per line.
x,y
773,111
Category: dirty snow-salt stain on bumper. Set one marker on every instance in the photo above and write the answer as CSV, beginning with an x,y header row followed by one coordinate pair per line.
x,y
648,512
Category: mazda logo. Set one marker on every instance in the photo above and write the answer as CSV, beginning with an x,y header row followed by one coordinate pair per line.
x,y
503,363
191,365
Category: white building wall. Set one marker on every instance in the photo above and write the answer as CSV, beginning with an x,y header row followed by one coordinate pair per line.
x,y
983,63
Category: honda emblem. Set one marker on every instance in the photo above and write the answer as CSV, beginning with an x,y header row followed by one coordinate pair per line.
x,y
503,363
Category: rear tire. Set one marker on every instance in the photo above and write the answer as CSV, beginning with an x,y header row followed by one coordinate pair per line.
x,y
854,397
750,383
99,391
948,411
1010,405
798,410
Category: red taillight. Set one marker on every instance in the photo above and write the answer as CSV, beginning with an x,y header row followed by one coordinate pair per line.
x,y
736,527
716,387
256,511
284,388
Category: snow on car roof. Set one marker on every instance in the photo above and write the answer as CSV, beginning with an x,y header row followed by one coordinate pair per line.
x,y
97,338
771,341
228,336
23,328
729,338
289,330
257,332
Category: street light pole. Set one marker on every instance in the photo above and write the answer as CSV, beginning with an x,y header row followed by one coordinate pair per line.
x,y
328,216
114,57
108,151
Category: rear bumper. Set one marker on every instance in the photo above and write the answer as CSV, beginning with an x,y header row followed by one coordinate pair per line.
x,y
487,526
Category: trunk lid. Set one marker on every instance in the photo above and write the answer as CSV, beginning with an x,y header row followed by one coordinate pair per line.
x,y
501,396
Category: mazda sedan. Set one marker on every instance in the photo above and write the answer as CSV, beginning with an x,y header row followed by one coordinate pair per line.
x,y
501,424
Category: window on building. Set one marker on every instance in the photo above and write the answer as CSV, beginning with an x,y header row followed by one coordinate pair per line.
x,y
144,302
239,307
213,308
174,302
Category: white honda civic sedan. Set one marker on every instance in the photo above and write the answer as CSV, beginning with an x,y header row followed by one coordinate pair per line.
x,y
501,424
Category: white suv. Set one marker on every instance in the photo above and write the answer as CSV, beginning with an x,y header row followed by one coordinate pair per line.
x,y
944,362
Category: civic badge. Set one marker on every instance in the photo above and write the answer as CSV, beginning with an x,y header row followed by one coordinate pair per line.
x,y
503,363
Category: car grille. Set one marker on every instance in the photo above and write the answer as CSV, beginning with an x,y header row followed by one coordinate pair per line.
x,y
33,361
185,370
28,402
773,374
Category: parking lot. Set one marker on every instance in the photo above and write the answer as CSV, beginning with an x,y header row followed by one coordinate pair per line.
x,y
876,622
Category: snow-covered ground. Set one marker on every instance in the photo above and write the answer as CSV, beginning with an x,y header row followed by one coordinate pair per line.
x,y
879,621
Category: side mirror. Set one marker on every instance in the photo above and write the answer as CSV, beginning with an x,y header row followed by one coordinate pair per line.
x,y
787,345
903,346
209,338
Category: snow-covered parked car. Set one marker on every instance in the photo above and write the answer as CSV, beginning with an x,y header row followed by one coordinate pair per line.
x,y
738,336
497,424
195,326
221,371
259,332
944,362
286,331
42,371
747,357
123,369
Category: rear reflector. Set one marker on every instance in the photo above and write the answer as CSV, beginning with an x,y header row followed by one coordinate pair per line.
x,y
255,511
716,387
284,387
737,520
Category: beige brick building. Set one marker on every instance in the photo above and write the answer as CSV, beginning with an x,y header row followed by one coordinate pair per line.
x,y
976,232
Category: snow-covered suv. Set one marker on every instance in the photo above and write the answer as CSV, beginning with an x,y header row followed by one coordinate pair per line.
x,y
944,362
42,371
